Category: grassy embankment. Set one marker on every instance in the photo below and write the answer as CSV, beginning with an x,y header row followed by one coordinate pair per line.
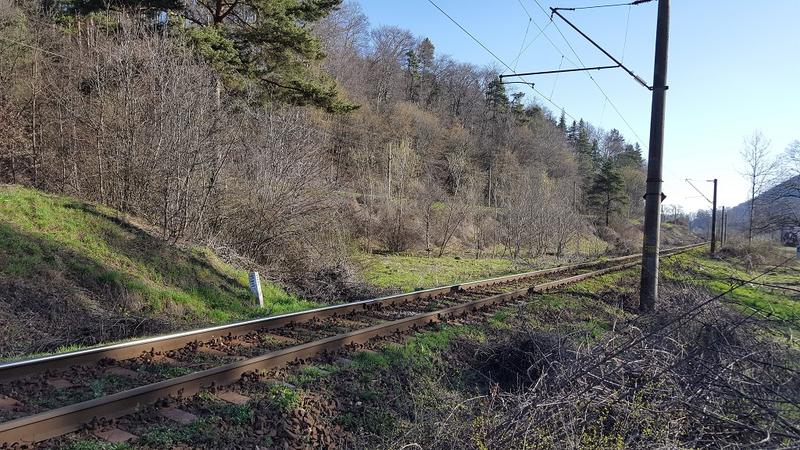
x,y
66,264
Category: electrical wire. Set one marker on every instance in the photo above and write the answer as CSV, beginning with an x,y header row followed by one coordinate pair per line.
x,y
627,26
477,41
524,9
556,80
611,5
602,91
522,46
698,190
541,32
498,58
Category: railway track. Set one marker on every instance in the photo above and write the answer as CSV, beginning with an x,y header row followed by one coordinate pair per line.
x,y
45,397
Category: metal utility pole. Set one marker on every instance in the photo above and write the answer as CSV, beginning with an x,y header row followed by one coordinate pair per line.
x,y
648,295
714,220
722,227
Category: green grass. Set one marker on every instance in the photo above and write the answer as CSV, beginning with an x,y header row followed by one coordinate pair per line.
x,y
417,353
418,272
407,272
719,275
79,245
167,436
282,397
96,445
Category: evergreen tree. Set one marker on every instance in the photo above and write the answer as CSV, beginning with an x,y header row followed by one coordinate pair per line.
x,y
562,122
607,193
266,44
426,56
584,153
630,157
412,76
496,97
518,109
572,135
497,105
429,89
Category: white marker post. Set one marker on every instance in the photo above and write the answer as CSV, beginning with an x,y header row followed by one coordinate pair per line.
x,y
255,288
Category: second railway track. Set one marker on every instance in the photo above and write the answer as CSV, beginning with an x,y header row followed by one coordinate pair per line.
x,y
59,394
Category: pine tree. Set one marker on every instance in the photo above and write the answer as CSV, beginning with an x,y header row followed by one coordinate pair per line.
x,y
267,44
518,108
496,97
426,56
562,122
497,105
572,135
607,193
429,88
630,157
584,153
412,76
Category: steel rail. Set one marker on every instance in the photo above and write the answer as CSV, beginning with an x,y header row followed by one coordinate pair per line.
x,y
131,349
53,423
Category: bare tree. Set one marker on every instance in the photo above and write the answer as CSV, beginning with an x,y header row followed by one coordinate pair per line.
x,y
759,169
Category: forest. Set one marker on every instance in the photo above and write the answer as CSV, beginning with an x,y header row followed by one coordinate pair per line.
x,y
287,134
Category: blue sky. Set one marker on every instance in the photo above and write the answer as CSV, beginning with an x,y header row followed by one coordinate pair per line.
x,y
734,67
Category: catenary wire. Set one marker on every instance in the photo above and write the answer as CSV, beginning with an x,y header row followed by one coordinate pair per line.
x,y
602,91
610,5
497,57
522,46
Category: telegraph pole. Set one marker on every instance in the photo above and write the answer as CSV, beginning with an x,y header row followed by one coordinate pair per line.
x,y
714,219
648,294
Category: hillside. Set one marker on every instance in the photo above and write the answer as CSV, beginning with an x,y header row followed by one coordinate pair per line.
x,y
776,207
75,273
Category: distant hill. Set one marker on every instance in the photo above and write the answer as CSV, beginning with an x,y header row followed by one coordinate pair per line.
x,y
779,206
74,273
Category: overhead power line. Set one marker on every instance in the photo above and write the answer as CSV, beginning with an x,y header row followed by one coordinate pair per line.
x,y
535,38
625,41
477,41
498,58
611,5
602,91
525,9
598,46
698,190
522,46
546,72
